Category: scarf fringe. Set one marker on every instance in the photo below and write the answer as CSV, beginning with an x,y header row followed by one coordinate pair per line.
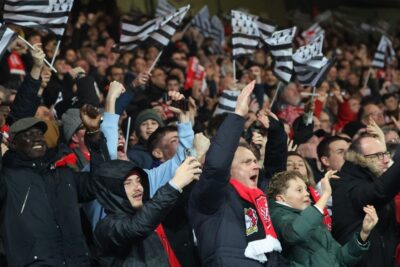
x,y
256,249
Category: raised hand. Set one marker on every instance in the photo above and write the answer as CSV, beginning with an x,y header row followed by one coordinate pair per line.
x,y
189,170
38,57
291,146
201,144
374,129
115,89
141,79
243,100
369,222
183,115
325,182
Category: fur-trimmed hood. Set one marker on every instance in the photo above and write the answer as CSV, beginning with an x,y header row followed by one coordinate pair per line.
x,y
358,159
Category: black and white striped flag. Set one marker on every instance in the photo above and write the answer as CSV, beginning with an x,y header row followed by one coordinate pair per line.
x,y
310,65
202,21
312,32
164,8
265,27
217,33
49,15
217,30
384,53
159,30
6,37
245,33
280,45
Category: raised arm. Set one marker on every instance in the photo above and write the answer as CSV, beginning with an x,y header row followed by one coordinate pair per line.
x,y
27,101
122,232
207,196
163,173
276,149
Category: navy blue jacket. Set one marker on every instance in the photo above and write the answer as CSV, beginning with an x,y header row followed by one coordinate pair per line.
x,y
215,207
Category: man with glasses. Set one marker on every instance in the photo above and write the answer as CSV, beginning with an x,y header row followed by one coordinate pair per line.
x,y
367,179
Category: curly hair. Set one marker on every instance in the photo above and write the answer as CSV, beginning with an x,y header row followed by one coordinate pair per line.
x,y
279,183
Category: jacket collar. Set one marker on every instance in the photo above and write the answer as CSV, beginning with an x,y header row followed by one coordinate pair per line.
x,y
359,160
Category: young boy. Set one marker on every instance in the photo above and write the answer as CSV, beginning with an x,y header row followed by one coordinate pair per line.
x,y
305,240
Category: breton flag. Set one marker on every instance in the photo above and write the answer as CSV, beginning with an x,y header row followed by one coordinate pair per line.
x,y
280,45
312,32
6,37
265,27
164,8
217,30
245,33
217,33
49,15
159,30
310,65
202,21
384,52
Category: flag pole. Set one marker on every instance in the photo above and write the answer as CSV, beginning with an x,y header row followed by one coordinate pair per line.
x,y
234,69
55,52
187,27
155,61
367,79
128,127
310,113
33,48
275,95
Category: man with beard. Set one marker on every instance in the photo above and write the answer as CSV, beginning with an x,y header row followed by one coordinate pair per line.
x,y
366,179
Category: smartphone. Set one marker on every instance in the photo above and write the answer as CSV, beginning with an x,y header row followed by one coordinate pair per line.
x,y
190,152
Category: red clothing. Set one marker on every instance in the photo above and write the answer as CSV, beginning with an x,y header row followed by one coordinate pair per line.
x,y
345,115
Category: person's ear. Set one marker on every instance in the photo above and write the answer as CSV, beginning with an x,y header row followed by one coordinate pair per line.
x,y
325,161
157,153
74,138
280,198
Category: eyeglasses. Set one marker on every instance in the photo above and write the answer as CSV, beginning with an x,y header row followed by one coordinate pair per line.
x,y
379,155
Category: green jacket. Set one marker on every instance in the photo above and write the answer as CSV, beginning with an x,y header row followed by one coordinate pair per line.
x,y
307,242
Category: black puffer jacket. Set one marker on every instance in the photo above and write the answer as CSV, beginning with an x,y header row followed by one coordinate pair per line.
x,y
42,224
358,186
126,237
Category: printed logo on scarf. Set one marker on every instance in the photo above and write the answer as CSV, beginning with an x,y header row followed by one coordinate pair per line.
x,y
262,205
250,217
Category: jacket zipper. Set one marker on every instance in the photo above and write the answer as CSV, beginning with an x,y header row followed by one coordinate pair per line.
x,y
26,198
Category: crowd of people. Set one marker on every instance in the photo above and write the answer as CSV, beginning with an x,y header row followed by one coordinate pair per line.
x,y
107,164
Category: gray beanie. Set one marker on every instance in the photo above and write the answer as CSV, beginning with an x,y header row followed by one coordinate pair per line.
x,y
71,120
145,115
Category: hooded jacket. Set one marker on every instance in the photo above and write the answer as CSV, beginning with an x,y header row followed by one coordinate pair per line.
x,y
359,185
126,236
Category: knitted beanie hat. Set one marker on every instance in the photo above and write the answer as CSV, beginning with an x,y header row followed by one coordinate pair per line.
x,y
146,115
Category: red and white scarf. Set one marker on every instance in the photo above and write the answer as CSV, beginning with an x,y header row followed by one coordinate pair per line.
x,y
257,249
327,218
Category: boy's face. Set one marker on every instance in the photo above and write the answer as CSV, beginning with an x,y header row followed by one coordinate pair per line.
x,y
296,195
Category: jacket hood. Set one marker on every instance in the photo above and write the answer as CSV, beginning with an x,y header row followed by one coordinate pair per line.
x,y
359,160
110,191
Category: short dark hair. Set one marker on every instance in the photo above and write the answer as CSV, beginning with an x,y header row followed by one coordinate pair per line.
x,y
387,96
279,183
155,138
323,146
173,77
